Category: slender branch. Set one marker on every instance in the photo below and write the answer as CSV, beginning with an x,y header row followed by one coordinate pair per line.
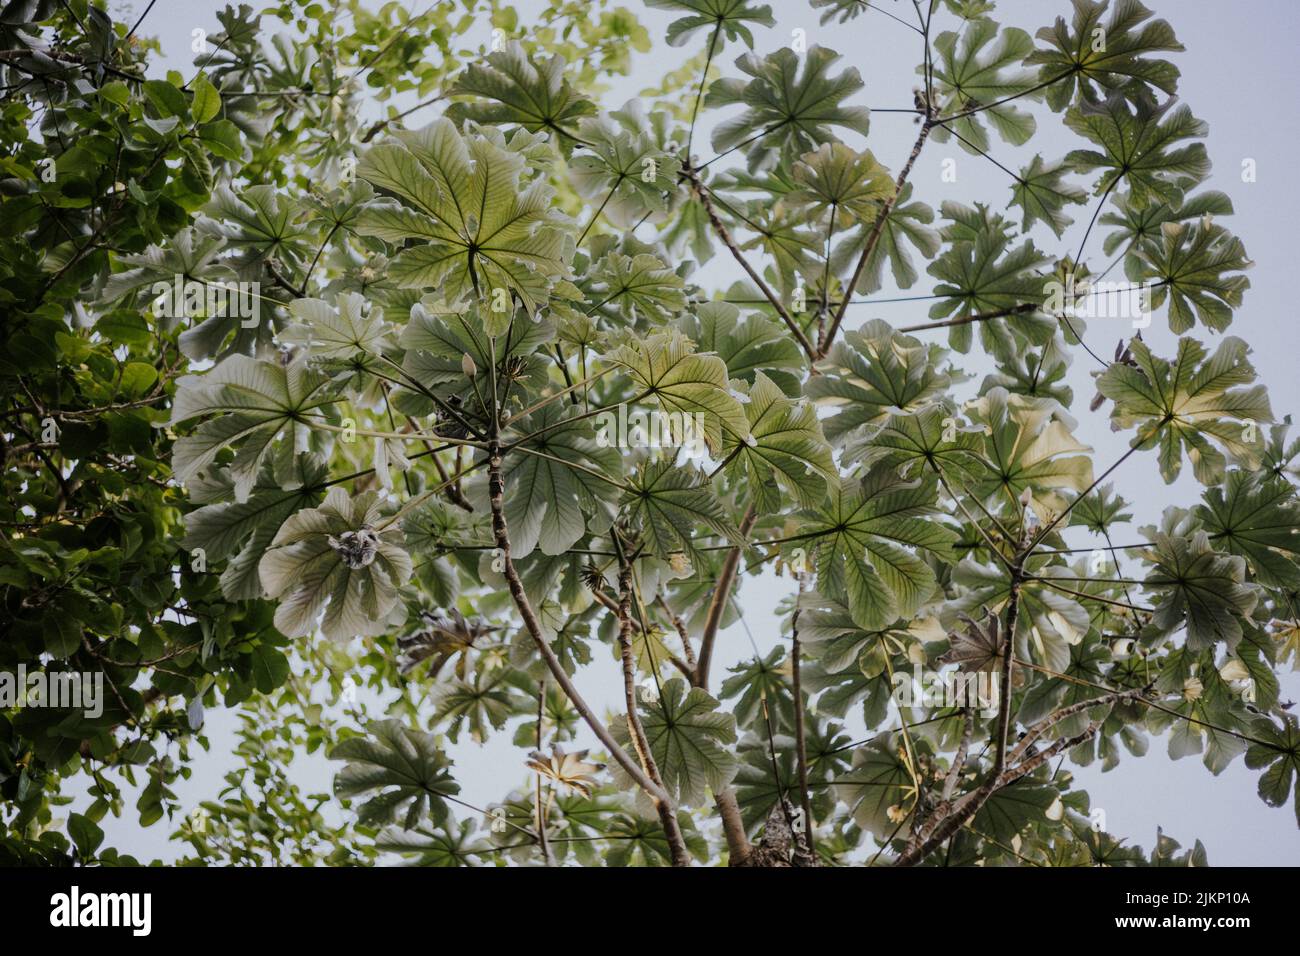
x,y
873,238
801,750
720,228
640,743
1021,309
501,535
718,603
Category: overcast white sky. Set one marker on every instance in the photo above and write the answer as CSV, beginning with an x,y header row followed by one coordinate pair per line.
x,y
1239,75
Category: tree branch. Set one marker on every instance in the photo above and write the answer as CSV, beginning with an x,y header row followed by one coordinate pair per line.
x,y
500,534
667,813
700,190
873,238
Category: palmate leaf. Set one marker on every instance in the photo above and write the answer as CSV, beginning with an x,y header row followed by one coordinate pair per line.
x,y
640,841
796,108
255,401
480,703
911,442
873,372
337,558
1010,810
1139,221
836,178
531,93
690,740
478,225
863,544
245,529
1190,264
665,367
757,343
1028,445
192,255
1098,59
783,234
340,334
762,691
878,788
1099,510
258,225
1041,373
725,18
759,786
1184,403
552,501
639,289
667,503
452,844
906,221
788,452
1140,147
976,69
401,768
1280,753
1199,588
437,341
1042,193
627,172
1255,515
980,272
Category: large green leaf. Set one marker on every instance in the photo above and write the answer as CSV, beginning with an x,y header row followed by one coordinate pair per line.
x,y
1191,265
1140,147
667,503
725,18
1098,58
478,225
906,221
873,372
837,179
1255,515
788,452
794,108
1280,753
878,788
340,559
757,343
1029,445
864,543
1199,589
255,401
689,738
640,289
627,173
243,530
395,767
1185,402
533,94
552,501
1042,192
666,367
980,272
975,70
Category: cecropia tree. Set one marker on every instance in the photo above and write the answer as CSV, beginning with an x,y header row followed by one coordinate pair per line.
x,y
464,430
